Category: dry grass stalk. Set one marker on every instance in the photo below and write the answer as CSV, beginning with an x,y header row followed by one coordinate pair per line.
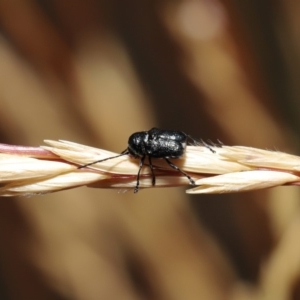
x,y
29,171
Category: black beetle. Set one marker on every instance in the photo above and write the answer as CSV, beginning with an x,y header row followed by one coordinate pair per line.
x,y
155,143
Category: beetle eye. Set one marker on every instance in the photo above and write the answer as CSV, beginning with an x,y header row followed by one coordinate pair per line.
x,y
132,151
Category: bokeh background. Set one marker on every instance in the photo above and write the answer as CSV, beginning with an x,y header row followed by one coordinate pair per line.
x,y
94,72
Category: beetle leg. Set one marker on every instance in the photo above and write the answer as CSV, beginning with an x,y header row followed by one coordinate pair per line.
x,y
179,170
152,171
136,189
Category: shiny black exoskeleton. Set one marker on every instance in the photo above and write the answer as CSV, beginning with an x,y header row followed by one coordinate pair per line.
x,y
155,143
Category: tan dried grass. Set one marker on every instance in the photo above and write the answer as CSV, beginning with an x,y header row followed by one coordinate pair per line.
x,y
29,171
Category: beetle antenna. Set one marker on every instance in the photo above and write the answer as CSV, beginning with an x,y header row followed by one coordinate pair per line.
x,y
125,152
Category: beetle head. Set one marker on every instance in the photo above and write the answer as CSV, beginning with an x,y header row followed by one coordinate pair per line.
x,y
137,142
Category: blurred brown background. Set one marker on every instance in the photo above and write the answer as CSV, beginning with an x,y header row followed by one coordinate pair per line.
x,y
94,72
